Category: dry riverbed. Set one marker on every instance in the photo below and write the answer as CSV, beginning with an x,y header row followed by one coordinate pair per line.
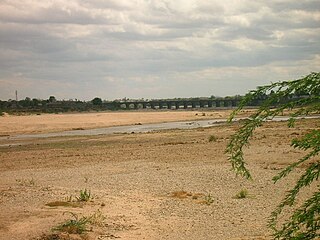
x,y
173,184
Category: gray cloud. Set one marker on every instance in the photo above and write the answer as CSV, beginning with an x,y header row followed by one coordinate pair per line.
x,y
82,49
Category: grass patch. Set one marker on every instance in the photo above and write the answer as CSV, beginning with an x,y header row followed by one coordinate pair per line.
x,y
26,182
199,198
242,194
80,225
84,196
97,219
212,138
208,199
75,225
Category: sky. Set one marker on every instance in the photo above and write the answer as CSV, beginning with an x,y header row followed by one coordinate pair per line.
x,y
153,48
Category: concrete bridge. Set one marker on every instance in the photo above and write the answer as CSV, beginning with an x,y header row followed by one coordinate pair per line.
x,y
175,104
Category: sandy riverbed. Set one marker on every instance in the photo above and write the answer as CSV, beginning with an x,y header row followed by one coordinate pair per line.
x,y
11,124
172,184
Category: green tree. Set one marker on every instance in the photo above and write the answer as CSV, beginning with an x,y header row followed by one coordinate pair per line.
x,y
304,223
96,101
52,99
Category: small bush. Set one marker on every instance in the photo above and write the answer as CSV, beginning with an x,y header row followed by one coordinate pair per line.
x,y
75,225
97,218
208,199
212,138
242,194
84,196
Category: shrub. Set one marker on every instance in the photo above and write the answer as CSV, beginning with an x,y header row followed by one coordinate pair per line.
x,y
212,138
208,199
75,225
84,196
242,194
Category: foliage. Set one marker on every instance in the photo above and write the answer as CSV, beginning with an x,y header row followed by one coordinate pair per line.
x,y
96,101
79,225
242,194
76,225
97,218
84,196
209,199
26,182
212,138
52,99
304,223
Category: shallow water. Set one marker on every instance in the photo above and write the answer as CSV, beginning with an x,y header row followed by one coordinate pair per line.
x,y
137,128
133,128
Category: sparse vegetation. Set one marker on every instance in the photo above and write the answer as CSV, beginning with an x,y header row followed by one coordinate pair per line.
x,y
242,194
69,199
208,199
79,225
212,138
97,218
75,225
199,197
26,182
84,196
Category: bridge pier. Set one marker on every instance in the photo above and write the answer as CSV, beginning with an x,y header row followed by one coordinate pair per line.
x,y
185,105
144,105
234,103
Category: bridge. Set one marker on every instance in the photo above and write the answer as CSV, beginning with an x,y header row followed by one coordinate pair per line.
x,y
174,104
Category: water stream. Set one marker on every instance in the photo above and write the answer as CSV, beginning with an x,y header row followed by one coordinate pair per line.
x,y
137,128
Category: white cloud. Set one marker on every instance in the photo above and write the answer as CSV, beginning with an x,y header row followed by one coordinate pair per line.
x,y
120,48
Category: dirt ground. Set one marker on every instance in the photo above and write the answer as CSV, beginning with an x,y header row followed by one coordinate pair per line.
x,y
172,184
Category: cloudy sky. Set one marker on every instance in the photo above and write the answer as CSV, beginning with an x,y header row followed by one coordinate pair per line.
x,y
153,48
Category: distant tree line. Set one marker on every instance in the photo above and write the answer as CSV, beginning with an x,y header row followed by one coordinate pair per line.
x,y
52,105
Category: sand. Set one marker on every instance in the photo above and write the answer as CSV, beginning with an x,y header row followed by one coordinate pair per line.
x,y
11,124
173,184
